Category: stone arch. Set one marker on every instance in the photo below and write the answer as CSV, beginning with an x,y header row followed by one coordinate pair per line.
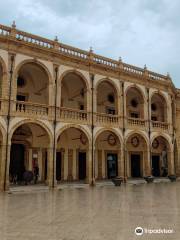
x,y
74,90
2,133
26,121
76,72
32,90
98,133
159,93
165,137
107,97
108,80
140,133
33,61
135,102
62,129
160,114
3,74
138,89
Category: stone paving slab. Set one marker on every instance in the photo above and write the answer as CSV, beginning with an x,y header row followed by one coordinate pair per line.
x,y
101,213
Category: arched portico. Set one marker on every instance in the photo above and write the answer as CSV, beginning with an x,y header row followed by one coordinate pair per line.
x,y
30,147
73,159
108,154
135,101
162,156
107,97
137,155
31,82
158,107
74,90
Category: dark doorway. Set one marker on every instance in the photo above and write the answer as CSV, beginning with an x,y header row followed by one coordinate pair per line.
x,y
135,165
82,165
156,165
58,166
112,168
17,167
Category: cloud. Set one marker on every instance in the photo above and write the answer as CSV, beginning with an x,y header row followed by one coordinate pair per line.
x,y
140,31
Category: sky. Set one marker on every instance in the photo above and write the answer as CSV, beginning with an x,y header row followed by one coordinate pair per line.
x,y
139,31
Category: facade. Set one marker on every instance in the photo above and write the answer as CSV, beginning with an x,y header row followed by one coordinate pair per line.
x,y
81,116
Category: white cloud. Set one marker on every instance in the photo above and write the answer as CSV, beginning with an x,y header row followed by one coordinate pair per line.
x,y
141,31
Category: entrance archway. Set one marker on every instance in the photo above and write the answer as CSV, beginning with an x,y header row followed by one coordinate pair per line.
x,y
161,157
29,153
137,155
72,155
107,155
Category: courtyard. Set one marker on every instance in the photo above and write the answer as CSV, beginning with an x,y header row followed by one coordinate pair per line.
x,y
81,212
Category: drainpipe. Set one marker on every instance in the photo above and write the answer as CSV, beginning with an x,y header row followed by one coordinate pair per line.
x,y
149,129
8,118
124,129
92,130
55,122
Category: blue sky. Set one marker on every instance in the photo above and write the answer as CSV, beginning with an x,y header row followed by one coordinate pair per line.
x,y
139,31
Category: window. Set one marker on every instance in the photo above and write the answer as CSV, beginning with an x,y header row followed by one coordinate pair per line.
x,y
134,115
154,118
110,110
81,107
21,98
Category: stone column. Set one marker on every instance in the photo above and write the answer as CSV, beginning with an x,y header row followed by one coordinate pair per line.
x,y
40,163
2,166
89,166
147,163
74,174
170,156
121,163
103,164
62,165
65,164
96,163
70,164
30,168
99,164
50,168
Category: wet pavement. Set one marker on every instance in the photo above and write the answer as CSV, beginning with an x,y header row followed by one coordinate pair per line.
x,y
80,212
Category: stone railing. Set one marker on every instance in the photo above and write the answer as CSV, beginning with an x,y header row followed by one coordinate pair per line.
x,y
87,56
32,109
30,38
136,122
107,119
5,30
160,125
71,51
73,115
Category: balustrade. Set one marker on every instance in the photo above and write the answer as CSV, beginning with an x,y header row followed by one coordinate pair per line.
x,y
107,119
27,108
73,115
136,122
78,53
160,125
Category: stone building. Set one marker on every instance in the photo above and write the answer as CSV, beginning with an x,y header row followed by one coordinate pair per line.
x,y
81,116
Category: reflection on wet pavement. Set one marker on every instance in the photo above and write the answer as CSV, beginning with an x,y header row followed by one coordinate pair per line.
x,y
106,213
